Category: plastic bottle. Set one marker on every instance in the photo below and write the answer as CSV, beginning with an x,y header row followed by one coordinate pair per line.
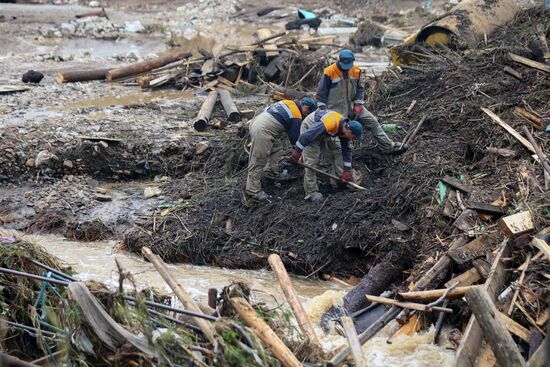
x,y
390,128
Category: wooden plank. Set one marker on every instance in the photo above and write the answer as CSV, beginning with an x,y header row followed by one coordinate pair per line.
x,y
410,328
353,341
533,119
514,327
472,250
265,333
472,338
457,184
517,224
108,330
505,349
543,317
531,63
509,129
486,357
482,267
469,277
486,208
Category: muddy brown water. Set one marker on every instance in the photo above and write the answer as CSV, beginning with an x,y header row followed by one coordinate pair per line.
x,y
95,260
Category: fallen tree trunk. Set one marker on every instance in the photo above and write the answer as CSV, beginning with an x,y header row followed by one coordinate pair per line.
x,y
81,75
378,279
233,114
292,298
203,117
500,340
264,332
181,293
144,66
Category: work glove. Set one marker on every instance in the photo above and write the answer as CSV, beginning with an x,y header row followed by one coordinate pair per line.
x,y
357,109
346,177
321,107
295,156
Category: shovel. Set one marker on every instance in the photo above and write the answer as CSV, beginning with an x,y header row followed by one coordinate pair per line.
x,y
334,177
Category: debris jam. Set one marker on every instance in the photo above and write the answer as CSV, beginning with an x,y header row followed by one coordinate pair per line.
x,y
129,234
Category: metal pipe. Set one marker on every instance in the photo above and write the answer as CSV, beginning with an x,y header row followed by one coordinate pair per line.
x,y
28,328
173,309
174,320
32,276
44,266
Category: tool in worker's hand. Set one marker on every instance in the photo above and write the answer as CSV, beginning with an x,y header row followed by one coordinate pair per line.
x,y
334,177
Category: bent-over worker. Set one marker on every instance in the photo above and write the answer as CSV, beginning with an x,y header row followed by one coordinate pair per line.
x,y
266,129
326,133
340,90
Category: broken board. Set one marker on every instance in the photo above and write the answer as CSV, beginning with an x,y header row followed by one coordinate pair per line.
x,y
471,250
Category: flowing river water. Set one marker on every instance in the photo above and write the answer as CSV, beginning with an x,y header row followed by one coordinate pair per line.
x,y
96,260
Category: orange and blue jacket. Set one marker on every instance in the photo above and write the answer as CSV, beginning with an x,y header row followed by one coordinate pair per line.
x,y
339,89
289,114
328,124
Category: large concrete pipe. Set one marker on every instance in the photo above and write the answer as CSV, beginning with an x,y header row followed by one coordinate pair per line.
x,y
470,21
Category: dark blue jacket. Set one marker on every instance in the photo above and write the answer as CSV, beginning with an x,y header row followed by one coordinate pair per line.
x,y
289,113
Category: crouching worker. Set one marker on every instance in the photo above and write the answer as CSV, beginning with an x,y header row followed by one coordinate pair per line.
x,y
328,134
266,131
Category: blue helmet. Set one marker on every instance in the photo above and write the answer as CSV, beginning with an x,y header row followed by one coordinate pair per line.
x,y
346,59
310,102
356,128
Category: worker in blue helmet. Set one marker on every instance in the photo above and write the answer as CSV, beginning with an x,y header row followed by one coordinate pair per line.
x,y
266,131
340,89
329,134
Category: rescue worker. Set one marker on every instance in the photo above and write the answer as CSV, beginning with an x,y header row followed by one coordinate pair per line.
x,y
318,136
266,129
340,90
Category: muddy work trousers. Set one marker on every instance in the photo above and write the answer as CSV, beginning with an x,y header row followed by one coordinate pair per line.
x,y
325,148
266,134
370,123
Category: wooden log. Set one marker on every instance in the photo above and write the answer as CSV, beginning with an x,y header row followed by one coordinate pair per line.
x,y
353,341
482,267
517,224
107,330
409,305
229,106
543,159
501,151
500,340
531,63
203,117
472,338
486,208
96,13
469,277
264,332
9,361
180,292
533,119
457,184
292,298
514,327
377,280
509,129
433,294
147,65
81,75
472,250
